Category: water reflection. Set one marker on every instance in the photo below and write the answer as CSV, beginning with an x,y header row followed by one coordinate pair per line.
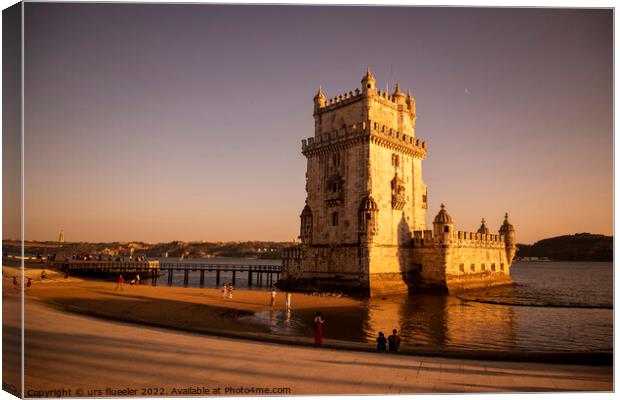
x,y
555,307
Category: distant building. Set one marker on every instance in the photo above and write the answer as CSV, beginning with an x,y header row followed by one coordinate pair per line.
x,y
363,226
61,238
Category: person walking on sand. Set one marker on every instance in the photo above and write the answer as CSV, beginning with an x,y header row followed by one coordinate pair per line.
x,y
381,342
230,291
119,282
273,298
318,329
393,342
137,279
288,301
224,291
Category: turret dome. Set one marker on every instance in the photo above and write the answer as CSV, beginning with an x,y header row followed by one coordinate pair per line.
x,y
443,217
506,226
306,211
319,94
368,76
368,204
483,228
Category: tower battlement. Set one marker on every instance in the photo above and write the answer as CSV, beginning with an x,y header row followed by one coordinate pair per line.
x,y
377,133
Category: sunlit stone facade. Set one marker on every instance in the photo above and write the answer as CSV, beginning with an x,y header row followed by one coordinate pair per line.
x,y
363,226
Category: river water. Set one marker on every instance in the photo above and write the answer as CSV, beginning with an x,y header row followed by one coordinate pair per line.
x,y
554,307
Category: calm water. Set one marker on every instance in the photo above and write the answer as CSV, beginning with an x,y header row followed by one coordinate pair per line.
x,y
555,307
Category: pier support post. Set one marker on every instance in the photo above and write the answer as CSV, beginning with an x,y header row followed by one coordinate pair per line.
x,y
250,277
186,277
202,278
170,272
233,277
217,277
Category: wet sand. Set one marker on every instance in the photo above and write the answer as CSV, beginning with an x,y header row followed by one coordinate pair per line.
x,y
181,308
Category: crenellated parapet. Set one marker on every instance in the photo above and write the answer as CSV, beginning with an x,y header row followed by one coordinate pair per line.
x,y
458,238
292,253
374,132
383,98
338,101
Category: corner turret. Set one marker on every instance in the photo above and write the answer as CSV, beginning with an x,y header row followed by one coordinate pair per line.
x,y
319,100
510,238
368,83
305,234
399,97
443,225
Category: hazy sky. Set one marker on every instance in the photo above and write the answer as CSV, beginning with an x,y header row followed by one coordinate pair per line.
x,y
183,122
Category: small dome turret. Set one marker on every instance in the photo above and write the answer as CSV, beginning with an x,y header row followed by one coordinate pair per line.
x,y
506,226
510,238
397,91
483,228
319,99
442,217
368,204
399,97
368,82
306,212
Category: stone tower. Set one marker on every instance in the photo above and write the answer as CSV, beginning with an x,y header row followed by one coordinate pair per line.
x,y
363,226
365,193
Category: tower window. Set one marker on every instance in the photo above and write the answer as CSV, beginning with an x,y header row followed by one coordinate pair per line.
x,y
483,267
493,267
501,266
462,267
395,160
472,267
446,229
336,160
335,219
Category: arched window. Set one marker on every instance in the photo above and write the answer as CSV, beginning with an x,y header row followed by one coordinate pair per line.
x,y
368,216
334,219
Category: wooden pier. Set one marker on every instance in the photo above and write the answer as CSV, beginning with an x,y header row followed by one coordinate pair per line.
x,y
258,274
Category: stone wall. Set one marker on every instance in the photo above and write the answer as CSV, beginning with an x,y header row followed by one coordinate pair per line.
x,y
466,260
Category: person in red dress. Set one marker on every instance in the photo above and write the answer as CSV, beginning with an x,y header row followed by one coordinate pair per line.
x,y
119,282
318,329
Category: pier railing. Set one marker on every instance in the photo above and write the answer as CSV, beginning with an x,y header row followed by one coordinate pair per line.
x,y
259,274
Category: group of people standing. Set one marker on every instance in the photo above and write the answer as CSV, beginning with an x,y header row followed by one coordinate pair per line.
x,y
287,299
121,280
391,344
227,291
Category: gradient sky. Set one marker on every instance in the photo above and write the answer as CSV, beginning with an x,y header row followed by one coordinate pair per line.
x,y
183,122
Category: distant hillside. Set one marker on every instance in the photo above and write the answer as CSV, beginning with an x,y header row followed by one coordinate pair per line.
x,y
578,247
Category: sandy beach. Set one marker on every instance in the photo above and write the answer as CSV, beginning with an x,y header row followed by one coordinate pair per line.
x,y
174,307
